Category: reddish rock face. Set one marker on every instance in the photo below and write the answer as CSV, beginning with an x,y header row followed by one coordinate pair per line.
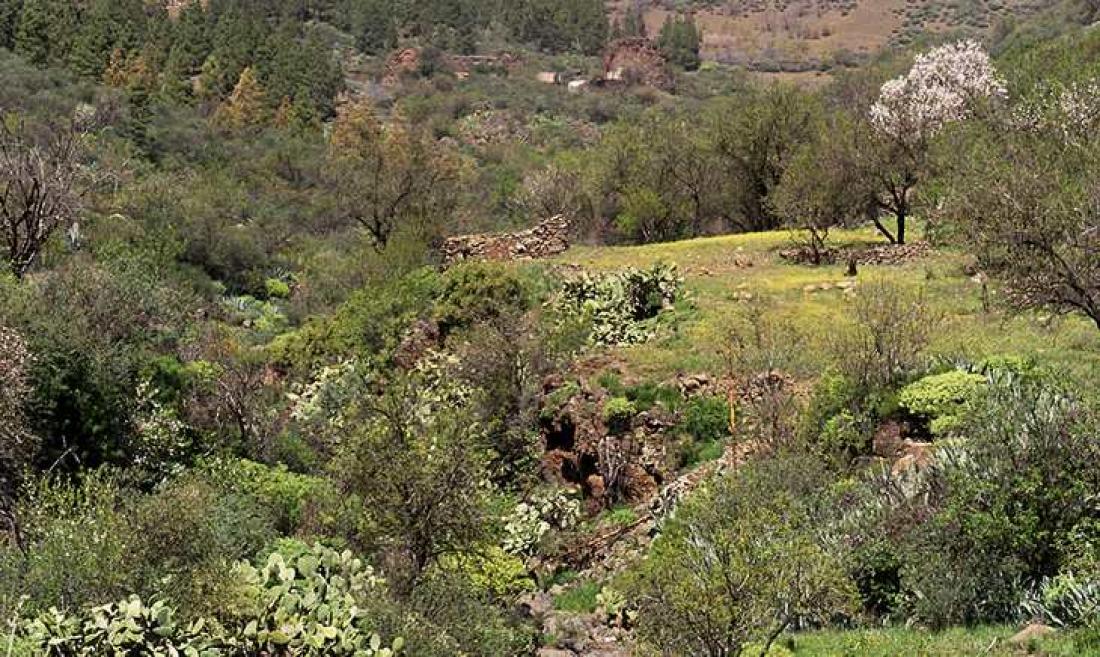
x,y
607,467
637,61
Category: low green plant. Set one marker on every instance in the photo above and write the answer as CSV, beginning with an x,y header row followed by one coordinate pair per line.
x,y
611,382
554,402
623,516
618,413
304,601
942,399
647,395
493,571
580,598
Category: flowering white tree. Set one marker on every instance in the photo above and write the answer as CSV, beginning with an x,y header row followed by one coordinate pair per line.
x,y
944,85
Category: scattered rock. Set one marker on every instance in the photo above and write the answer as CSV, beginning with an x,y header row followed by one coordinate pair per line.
x,y
637,61
570,631
1032,631
555,652
885,254
887,440
913,456
535,605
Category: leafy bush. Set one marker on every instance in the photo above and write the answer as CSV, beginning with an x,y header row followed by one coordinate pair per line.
x,y
370,323
619,304
1012,504
739,561
618,413
579,598
78,545
492,571
706,423
942,399
706,419
481,292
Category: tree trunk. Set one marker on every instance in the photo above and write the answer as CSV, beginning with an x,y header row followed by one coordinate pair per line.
x,y
901,225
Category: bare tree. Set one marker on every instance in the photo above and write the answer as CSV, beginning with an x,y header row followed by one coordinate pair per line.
x,y
38,189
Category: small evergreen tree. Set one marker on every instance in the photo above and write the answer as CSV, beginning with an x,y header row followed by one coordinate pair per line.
x,y
9,20
681,40
246,107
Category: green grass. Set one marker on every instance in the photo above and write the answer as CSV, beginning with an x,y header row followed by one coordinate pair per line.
x,y
622,516
579,599
955,642
718,271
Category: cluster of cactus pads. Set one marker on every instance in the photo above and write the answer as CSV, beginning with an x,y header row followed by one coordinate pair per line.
x,y
304,602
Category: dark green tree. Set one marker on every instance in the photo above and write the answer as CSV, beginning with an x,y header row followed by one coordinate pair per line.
x,y
10,11
106,25
45,30
680,40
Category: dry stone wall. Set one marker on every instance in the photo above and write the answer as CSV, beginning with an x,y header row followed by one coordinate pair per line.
x,y
548,238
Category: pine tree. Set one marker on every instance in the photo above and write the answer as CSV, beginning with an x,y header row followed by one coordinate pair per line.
x,y
246,107
32,33
191,40
94,44
9,21
681,40
356,129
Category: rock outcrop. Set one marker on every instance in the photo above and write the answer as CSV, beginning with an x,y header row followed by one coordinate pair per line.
x,y
548,238
637,61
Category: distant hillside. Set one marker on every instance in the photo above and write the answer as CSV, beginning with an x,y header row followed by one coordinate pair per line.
x,y
802,35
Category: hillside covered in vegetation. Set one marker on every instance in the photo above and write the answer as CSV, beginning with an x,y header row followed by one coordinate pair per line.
x,y
531,328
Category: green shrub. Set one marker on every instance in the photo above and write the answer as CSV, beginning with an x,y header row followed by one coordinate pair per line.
x,y
647,395
478,292
371,323
705,424
740,559
623,516
492,571
618,412
1011,505
942,399
80,545
840,418
579,598
285,493
706,419
276,289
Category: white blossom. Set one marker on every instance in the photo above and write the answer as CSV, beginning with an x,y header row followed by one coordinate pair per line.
x,y
941,87
1070,112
